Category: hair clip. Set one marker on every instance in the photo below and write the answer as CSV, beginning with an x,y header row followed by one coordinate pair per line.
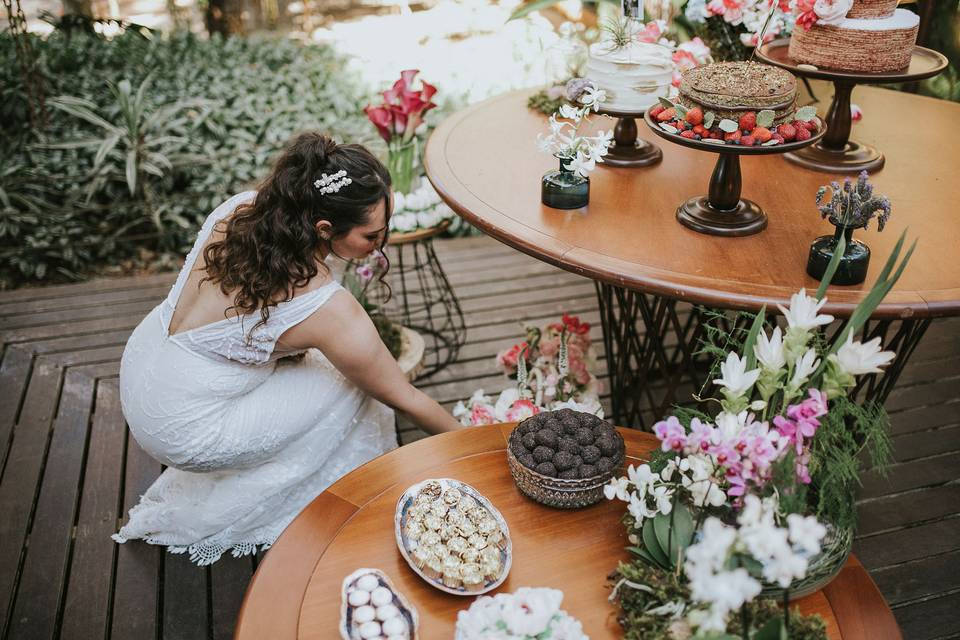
x,y
332,184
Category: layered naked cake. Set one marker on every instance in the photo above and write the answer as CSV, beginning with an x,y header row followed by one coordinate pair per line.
x,y
632,75
873,37
729,89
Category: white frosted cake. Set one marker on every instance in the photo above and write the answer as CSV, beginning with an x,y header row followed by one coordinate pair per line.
x,y
873,37
633,75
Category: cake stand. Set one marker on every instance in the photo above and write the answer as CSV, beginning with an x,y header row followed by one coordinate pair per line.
x,y
723,212
836,153
628,150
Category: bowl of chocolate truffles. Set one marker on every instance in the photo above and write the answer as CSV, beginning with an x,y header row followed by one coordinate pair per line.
x,y
563,458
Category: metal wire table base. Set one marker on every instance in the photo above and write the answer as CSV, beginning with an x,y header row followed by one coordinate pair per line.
x,y
423,300
655,359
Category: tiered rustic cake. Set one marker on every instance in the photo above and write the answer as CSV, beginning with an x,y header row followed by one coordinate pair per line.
x,y
729,89
874,37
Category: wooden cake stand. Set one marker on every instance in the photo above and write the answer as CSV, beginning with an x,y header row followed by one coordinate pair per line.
x,y
628,150
836,153
723,212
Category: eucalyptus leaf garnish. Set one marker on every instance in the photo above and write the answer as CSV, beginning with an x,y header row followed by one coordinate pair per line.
x,y
805,114
770,143
668,128
714,141
765,118
728,126
666,103
708,119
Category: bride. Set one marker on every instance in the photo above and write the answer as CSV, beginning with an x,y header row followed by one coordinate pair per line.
x,y
260,381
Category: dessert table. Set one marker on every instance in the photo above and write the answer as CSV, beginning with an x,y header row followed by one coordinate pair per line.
x,y
296,590
484,163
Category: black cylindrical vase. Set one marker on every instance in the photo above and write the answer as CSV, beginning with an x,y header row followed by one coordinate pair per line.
x,y
564,189
853,265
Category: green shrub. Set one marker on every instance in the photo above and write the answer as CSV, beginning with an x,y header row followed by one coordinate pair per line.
x,y
145,136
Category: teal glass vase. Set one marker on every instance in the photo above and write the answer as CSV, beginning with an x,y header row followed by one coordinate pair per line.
x,y
853,265
564,189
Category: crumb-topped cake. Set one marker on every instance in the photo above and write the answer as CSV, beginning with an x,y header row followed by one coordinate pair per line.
x,y
729,89
870,36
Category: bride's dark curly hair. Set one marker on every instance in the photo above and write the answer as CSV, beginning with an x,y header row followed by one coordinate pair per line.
x,y
270,246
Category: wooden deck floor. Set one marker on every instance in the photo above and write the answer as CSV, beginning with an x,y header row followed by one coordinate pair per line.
x,y
69,471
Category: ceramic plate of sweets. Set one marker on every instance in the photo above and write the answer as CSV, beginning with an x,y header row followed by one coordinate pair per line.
x,y
452,537
372,609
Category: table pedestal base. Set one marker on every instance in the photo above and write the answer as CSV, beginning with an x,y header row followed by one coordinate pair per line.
x,y
853,158
640,154
654,361
745,219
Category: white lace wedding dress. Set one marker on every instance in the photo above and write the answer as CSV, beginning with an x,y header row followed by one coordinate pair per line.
x,y
248,441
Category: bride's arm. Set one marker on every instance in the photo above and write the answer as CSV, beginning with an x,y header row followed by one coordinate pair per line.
x,y
343,331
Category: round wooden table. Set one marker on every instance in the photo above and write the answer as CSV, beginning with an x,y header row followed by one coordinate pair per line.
x,y
296,590
484,162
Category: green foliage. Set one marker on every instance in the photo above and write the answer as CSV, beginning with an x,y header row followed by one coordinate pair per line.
x,y
640,590
146,136
542,102
847,434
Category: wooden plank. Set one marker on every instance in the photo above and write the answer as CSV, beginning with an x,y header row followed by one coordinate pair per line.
x,y
14,376
126,283
907,545
886,513
186,615
229,577
39,595
58,317
923,418
912,446
88,597
936,392
85,301
933,619
928,472
21,474
923,578
79,328
81,342
136,588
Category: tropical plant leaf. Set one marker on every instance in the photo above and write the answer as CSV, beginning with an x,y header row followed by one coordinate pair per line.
x,y
832,267
748,344
652,545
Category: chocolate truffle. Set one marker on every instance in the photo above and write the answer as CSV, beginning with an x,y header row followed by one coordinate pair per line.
x,y
543,454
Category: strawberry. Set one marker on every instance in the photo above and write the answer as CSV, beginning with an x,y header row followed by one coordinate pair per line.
x,y
803,134
788,131
748,141
762,134
667,114
700,130
716,134
748,121
804,124
733,137
694,116
778,138
656,110
690,135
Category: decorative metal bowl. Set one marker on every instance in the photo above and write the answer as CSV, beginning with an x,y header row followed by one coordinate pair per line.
x,y
560,492
822,568
408,546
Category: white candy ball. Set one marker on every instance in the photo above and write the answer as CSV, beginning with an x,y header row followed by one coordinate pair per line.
x,y
358,597
387,611
394,626
368,582
381,596
369,629
364,614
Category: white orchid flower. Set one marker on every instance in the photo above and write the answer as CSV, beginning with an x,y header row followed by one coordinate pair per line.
x,y
582,164
735,377
769,351
804,310
593,96
806,532
857,358
804,367
618,488
570,112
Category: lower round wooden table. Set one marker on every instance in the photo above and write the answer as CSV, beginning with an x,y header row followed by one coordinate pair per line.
x,y
484,163
296,590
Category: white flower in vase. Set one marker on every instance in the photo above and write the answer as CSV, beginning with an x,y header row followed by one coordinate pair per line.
x,y
858,358
804,312
735,377
769,351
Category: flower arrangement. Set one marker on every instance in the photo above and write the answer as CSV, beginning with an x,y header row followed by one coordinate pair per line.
x,y
357,278
527,614
854,204
810,12
732,27
580,153
552,367
400,119
422,208
734,503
